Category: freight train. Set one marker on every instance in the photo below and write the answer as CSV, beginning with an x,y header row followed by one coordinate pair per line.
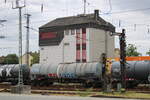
x,y
89,74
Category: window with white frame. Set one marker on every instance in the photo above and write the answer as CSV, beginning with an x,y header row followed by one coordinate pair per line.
x,y
77,30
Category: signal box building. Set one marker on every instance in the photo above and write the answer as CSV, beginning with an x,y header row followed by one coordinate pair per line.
x,y
81,38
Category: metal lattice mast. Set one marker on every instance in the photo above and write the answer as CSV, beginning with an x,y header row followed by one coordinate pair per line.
x,y
20,78
27,38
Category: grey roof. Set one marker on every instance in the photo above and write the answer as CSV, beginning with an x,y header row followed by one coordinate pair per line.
x,y
78,20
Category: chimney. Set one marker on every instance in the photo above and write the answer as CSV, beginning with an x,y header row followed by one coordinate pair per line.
x,y
96,14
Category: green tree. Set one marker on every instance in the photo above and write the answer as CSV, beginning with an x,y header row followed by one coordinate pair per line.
x,y
132,51
148,53
11,59
36,57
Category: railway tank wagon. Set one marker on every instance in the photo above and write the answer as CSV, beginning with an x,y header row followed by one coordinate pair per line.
x,y
80,72
66,73
43,74
9,73
136,72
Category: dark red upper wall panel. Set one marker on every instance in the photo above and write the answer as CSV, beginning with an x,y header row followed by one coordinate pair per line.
x,y
50,38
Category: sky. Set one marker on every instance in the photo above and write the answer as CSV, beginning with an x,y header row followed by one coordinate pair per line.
x,y
133,15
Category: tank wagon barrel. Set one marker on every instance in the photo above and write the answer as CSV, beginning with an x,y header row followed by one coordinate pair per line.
x,y
43,74
135,71
9,73
78,70
73,72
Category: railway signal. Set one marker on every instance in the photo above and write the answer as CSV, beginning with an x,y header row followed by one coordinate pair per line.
x,y
122,40
123,58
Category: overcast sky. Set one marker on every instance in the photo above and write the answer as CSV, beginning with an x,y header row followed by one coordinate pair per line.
x,y
52,9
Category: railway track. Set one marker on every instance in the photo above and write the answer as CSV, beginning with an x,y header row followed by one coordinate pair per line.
x,y
57,87
66,88
141,89
71,88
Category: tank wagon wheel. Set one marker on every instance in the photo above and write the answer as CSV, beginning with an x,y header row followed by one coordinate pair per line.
x,y
44,83
88,84
49,83
132,84
114,84
97,85
34,83
41,83
14,83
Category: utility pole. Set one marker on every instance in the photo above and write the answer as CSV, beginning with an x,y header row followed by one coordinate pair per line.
x,y
20,78
27,38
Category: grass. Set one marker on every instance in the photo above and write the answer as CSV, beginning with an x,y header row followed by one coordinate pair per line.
x,y
86,93
124,95
127,94
89,93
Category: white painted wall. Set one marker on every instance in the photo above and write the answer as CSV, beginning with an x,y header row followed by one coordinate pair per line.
x,y
70,50
61,53
50,54
110,45
99,42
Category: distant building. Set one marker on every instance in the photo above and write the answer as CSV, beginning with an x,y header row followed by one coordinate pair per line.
x,y
2,59
81,38
117,53
24,60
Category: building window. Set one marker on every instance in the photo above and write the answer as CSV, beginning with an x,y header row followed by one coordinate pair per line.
x,y
83,46
83,60
83,30
44,59
78,31
78,46
72,32
66,44
66,32
42,48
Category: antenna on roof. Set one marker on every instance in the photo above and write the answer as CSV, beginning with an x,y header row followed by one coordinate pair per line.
x,y
84,7
2,21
